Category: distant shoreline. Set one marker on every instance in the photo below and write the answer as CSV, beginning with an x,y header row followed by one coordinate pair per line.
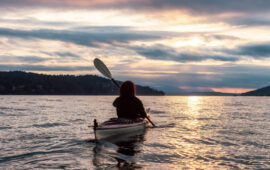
x,y
25,83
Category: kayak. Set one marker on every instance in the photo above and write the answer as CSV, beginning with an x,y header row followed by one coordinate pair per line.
x,y
116,127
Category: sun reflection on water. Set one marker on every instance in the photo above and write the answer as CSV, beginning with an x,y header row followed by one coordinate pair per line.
x,y
193,98
191,136
193,103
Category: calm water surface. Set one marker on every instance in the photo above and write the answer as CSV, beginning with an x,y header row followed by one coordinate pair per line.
x,y
51,132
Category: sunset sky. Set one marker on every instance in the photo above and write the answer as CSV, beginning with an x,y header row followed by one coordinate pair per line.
x,y
172,45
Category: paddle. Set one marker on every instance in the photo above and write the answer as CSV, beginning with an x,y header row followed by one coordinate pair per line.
x,y
147,111
103,69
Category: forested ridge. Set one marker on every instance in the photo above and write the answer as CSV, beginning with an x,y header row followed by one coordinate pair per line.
x,y
265,91
19,82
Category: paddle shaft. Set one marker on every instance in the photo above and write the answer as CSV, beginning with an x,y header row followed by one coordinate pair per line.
x,y
115,83
150,121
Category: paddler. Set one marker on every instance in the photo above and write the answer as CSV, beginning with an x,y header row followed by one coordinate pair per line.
x,y
127,105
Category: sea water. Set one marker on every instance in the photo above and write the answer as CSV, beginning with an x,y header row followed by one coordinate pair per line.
x,y
54,132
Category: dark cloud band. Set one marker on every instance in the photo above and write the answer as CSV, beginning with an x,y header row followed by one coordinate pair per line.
x,y
195,6
91,37
161,52
253,50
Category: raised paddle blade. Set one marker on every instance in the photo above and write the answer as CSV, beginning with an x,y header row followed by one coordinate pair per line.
x,y
102,68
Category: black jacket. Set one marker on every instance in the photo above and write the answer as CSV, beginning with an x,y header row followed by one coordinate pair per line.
x,y
129,107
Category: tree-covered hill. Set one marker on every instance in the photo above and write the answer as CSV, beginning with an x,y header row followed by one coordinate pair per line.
x,y
259,92
18,82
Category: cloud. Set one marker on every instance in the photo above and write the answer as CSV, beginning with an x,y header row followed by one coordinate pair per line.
x,y
34,21
64,54
160,52
36,59
208,6
195,6
24,59
254,50
227,75
259,20
232,80
67,54
93,37
25,67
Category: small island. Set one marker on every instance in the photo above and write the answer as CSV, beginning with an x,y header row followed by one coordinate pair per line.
x,y
24,83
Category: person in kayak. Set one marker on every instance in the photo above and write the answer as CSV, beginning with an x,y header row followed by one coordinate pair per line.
x,y
127,105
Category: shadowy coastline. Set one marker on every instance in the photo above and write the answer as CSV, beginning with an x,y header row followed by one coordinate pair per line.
x,y
23,83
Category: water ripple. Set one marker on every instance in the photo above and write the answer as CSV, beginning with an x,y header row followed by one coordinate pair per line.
x,y
47,125
30,154
51,132
5,127
157,112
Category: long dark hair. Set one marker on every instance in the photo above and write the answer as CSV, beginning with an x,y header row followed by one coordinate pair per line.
x,y
127,89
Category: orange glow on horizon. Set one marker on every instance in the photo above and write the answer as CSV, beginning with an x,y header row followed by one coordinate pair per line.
x,y
231,90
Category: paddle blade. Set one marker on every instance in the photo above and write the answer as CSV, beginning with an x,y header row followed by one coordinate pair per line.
x,y
102,68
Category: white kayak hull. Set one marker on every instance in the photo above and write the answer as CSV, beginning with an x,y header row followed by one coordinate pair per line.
x,y
108,131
